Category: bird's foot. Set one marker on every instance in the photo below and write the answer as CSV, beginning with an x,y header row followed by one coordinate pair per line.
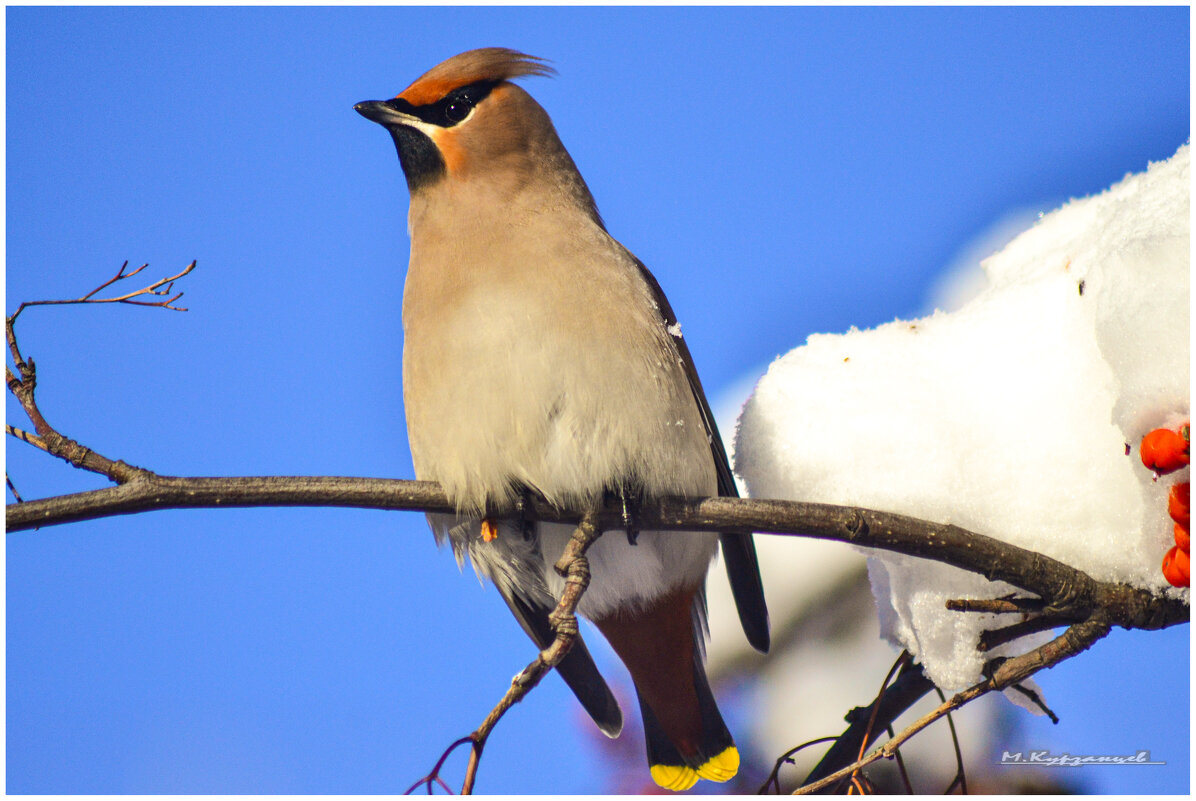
x,y
628,505
630,512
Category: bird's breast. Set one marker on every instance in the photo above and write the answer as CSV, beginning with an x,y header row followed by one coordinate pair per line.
x,y
544,363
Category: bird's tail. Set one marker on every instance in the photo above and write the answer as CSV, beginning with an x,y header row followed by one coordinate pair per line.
x,y
686,737
714,758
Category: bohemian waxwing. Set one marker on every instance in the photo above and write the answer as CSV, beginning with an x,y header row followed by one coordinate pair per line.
x,y
540,355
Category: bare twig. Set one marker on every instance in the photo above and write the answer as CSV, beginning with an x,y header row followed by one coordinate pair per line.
x,y
998,606
1036,699
25,436
901,769
774,778
160,288
575,569
23,383
12,488
434,776
961,778
866,723
120,276
904,659
994,637
1005,673
48,439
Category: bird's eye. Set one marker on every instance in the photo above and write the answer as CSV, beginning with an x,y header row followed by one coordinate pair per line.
x,y
458,109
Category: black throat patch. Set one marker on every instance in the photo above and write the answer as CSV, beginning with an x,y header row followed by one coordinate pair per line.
x,y
419,157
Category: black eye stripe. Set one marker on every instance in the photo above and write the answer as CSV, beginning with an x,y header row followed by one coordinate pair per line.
x,y
450,109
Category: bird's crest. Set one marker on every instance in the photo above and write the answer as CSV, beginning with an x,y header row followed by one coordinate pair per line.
x,y
484,64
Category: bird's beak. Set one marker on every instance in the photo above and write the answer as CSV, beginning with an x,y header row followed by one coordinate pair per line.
x,y
383,113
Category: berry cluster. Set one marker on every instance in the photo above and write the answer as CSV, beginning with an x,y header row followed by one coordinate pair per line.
x,y
1164,451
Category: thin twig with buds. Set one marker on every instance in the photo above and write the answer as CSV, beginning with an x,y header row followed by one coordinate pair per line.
x,y
160,288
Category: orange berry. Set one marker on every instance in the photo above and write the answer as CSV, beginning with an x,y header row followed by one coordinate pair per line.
x,y
1179,502
1175,567
1163,450
1182,537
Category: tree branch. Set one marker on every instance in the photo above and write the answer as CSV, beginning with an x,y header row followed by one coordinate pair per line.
x,y
1069,594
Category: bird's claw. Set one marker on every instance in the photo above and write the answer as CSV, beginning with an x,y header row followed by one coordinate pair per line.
x,y
629,511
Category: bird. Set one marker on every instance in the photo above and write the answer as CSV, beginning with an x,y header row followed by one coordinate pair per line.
x,y
541,356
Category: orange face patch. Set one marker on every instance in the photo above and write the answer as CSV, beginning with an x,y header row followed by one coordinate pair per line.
x,y
450,150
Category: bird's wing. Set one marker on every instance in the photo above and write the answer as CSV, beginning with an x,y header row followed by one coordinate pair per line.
x,y
739,551
577,668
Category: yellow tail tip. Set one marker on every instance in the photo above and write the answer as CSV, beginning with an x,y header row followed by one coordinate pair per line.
x,y
721,767
674,777
718,768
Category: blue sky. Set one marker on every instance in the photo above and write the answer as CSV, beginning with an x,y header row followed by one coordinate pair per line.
x,y
781,171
